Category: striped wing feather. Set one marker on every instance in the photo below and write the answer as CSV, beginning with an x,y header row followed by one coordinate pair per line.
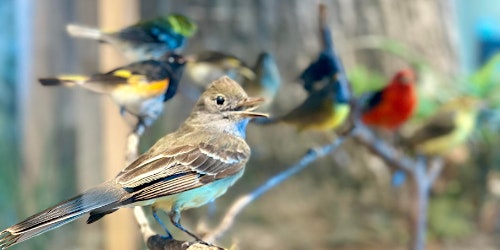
x,y
178,170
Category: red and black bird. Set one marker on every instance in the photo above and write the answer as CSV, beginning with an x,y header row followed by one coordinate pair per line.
x,y
393,105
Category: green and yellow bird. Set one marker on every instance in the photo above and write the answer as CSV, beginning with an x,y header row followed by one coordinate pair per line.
x,y
148,39
448,128
139,88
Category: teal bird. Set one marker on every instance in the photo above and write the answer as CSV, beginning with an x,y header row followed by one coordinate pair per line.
x,y
149,39
267,79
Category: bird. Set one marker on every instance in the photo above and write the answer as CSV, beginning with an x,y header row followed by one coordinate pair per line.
x,y
323,110
328,62
185,169
393,105
324,66
148,39
139,88
448,128
209,65
267,79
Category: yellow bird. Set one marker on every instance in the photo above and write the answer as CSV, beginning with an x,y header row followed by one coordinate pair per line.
x,y
324,109
448,128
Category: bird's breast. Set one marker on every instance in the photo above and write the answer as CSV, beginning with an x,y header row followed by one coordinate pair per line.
x,y
199,196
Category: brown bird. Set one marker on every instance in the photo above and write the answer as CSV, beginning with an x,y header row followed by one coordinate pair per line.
x,y
185,169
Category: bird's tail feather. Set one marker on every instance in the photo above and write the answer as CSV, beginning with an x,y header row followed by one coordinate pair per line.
x,y
67,80
58,215
84,31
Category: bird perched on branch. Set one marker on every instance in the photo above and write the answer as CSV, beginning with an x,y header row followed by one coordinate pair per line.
x,y
448,128
149,39
267,79
394,104
207,66
185,169
139,88
324,109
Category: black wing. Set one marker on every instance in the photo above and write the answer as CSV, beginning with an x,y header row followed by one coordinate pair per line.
x,y
439,125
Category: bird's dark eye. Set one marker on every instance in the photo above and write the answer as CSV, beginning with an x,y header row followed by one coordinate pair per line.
x,y
220,100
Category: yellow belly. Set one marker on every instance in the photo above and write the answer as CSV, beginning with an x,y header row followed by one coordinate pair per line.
x,y
332,121
442,145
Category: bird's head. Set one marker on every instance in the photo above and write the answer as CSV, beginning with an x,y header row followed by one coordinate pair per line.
x,y
178,23
225,99
405,76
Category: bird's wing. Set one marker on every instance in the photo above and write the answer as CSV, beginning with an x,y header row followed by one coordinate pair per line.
x,y
371,100
153,33
213,56
312,106
142,33
152,70
179,169
164,76
441,124
140,72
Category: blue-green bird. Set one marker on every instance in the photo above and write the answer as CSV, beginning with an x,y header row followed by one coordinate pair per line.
x,y
148,39
267,79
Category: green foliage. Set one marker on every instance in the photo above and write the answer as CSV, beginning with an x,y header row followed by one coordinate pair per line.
x,y
364,80
449,218
486,81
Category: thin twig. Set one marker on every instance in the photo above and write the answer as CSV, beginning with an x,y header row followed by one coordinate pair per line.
x,y
436,166
382,149
132,154
245,200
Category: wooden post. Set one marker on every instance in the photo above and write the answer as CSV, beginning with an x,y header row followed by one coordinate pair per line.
x,y
120,230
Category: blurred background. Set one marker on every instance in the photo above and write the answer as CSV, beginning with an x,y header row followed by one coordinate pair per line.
x,y
59,141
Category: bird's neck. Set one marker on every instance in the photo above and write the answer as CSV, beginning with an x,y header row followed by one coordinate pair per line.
x,y
231,127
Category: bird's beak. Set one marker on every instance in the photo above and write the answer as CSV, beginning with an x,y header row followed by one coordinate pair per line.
x,y
249,105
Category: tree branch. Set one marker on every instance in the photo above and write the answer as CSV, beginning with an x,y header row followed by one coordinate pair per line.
x,y
382,149
423,174
243,201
